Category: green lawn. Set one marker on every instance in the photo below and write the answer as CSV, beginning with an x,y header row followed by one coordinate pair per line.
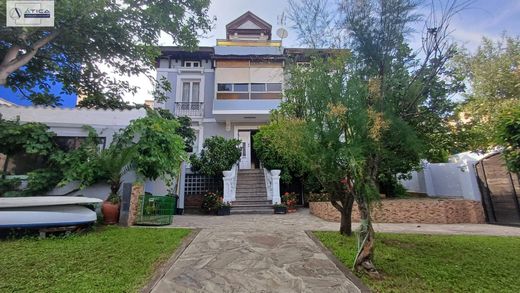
x,y
110,259
435,263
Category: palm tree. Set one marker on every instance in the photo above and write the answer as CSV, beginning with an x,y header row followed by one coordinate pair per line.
x,y
114,163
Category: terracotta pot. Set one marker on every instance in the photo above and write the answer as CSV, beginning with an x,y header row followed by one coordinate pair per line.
x,y
110,213
291,209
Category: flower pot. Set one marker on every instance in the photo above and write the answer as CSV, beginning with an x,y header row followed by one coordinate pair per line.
x,y
291,209
280,210
224,211
110,212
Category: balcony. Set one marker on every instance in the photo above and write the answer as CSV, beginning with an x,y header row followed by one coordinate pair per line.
x,y
244,110
190,109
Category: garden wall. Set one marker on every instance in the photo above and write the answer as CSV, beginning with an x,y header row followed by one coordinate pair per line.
x,y
426,211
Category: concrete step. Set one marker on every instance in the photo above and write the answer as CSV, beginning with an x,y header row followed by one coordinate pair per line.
x,y
251,171
251,198
250,188
255,204
250,194
252,210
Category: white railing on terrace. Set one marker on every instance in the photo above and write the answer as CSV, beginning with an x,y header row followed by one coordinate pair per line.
x,y
272,185
230,183
190,109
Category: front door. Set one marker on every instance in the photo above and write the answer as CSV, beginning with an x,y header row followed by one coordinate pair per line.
x,y
245,159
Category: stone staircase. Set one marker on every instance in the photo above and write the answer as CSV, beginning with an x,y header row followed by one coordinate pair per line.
x,y
251,195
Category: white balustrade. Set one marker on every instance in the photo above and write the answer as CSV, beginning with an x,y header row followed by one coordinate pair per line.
x,y
272,185
230,183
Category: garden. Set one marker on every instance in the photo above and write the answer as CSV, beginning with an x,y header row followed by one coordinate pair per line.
x,y
108,259
435,263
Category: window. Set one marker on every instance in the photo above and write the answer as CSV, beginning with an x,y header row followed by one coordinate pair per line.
x,y
241,87
258,87
246,91
274,87
225,87
192,64
190,91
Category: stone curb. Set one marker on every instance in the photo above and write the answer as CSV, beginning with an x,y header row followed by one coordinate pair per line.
x,y
355,280
164,268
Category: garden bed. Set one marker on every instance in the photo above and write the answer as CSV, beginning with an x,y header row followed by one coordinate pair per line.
x,y
436,263
110,259
411,210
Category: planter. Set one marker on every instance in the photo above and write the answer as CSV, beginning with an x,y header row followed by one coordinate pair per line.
x,y
280,210
291,209
224,211
110,213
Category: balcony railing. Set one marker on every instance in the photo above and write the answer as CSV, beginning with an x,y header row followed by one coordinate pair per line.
x,y
190,109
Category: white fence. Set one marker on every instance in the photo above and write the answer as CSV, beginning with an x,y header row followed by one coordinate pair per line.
x,y
445,180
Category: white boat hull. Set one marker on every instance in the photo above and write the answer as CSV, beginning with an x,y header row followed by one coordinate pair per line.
x,y
46,216
38,201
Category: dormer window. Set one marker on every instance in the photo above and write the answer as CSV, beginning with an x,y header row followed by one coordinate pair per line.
x,y
192,64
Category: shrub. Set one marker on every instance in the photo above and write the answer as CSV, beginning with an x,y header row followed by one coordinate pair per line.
x,y
289,198
7,185
210,202
218,154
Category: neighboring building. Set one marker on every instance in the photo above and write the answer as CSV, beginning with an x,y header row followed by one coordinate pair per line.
x,y
5,102
227,90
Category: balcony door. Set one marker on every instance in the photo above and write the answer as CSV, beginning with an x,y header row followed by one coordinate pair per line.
x,y
190,91
245,158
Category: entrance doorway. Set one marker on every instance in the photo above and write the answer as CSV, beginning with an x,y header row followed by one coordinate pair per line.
x,y
248,159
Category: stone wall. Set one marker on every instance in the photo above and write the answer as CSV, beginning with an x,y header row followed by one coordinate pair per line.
x,y
426,211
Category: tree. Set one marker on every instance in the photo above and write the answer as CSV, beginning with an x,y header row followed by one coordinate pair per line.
x,y
218,155
87,33
363,110
508,135
493,76
158,148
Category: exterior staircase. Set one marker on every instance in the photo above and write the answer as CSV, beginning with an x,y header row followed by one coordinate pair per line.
x,y
251,195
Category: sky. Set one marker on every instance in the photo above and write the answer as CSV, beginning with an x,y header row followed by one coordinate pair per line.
x,y
490,18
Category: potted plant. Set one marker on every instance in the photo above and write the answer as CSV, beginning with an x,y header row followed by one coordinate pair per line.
x,y
210,202
224,208
289,198
114,163
280,209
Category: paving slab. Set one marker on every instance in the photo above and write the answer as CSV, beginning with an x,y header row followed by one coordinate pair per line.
x,y
272,253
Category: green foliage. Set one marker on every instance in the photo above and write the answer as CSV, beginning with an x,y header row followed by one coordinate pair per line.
x,y
9,185
81,164
435,263
30,138
508,132
218,155
47,264
113,164
41,181
159,149
493,78
276,148
185,130
87,33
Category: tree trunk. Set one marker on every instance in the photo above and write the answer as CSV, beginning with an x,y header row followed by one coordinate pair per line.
x,y
346,217
364,259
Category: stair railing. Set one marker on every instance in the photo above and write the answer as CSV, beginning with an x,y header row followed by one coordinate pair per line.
x,y
272,185
230,183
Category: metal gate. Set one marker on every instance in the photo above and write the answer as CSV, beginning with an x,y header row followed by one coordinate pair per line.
x,y
500,190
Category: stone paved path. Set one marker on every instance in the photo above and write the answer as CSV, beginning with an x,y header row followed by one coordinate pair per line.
x,y
272,253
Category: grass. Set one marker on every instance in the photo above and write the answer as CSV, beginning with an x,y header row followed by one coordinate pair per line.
x,y
436,263
111,259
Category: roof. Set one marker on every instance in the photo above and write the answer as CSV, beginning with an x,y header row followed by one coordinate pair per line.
x,y
248,23
181,52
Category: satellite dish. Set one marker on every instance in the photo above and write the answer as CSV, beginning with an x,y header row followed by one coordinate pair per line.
x,y
282,33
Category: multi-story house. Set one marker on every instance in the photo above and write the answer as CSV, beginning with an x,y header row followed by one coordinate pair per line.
x,y
228,90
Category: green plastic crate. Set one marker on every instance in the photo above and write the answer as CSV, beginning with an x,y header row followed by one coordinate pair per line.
x,y
156,210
